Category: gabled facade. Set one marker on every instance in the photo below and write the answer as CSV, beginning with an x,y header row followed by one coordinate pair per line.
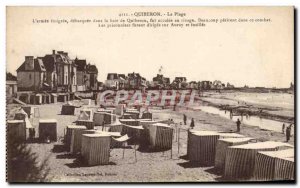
x,y
61,72
136,81
115,81
160,81
112,81
57,72
31,75
92,77
180,83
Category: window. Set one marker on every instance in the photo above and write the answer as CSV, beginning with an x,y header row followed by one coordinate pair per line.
x,y
29,76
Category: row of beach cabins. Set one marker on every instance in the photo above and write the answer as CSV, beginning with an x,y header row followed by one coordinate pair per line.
x,y
234,156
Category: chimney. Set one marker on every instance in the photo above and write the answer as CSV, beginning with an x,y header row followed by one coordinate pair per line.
x,y
29,63
53,52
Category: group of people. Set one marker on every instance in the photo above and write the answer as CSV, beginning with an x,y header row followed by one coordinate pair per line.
x,y
286,130
192,125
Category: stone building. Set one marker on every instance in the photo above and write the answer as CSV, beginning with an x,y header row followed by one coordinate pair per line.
x,y
81,74
160,81
92,77
136,81
60,72
31,74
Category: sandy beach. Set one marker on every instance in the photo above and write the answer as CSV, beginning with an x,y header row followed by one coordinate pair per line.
x,y
150,166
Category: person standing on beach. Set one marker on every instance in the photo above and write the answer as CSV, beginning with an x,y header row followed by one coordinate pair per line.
x,y
283,127
288,133
238,125
184,119
192,123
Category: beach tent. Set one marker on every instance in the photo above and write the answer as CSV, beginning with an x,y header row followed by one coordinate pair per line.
x,y
161,136
16,130
76,139
147,115
222,147
67,109
95,149
31,111
85,114
240,160
132,122
284,168
201,146
116,126
68,136
120,109
48,129
99,118
265,162
22,115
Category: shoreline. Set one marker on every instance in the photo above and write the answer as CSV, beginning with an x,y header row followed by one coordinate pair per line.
x,y
253,110
213,122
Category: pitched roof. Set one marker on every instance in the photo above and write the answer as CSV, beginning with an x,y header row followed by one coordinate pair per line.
x,y
122,76
112,76
49,61
64,57
134,75
38,66
91,69
81,64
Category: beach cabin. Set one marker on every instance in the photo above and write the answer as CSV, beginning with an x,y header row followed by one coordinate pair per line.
x,y
76,139
266,161
240,160
202,145
68,136
16,130
222,147
95,149
161,136
48,129
67,109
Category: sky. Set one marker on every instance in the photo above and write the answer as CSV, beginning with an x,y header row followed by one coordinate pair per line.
x,y
254,54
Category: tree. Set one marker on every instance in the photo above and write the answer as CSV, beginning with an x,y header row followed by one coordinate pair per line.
x,y
10,76
23,164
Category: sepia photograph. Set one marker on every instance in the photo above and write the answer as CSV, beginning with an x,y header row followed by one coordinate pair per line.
x,y
150,94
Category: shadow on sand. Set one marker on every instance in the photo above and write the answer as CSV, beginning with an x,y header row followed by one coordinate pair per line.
x,y
190,164
215,171
151,150
184,157
58,148
66,156
78,163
